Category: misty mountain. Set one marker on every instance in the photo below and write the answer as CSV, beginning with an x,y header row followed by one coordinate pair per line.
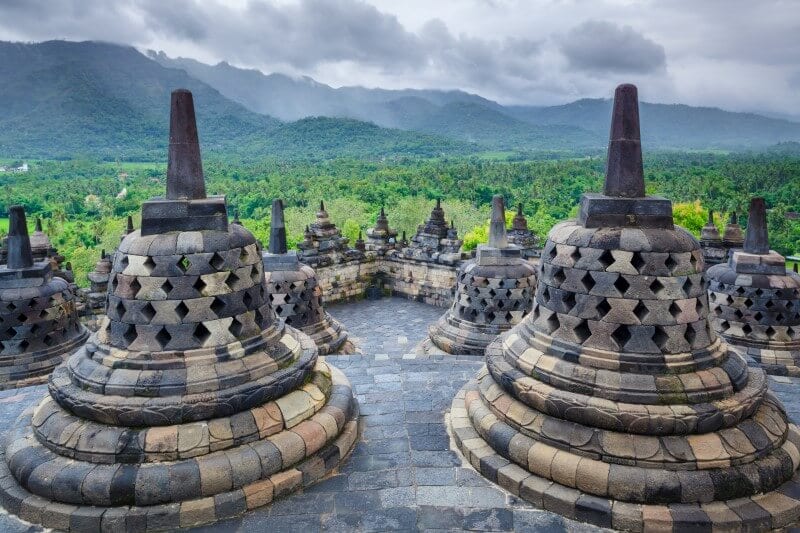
x,y
459,115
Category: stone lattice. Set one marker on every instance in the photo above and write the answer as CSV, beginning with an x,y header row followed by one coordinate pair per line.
x,y
435,240
614,402
294,293
493,294
755,303
192,402
714,251
39,325
523,238
323,243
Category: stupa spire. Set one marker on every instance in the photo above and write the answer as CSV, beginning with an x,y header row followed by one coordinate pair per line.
x,y
19,243
38,224
497,224
129,225
277,229
184,167
624,170
756,240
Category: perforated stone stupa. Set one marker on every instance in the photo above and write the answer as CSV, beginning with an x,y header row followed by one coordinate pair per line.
x,y
381,238
323,243
755,301
39,324
613,402
293,291
522,237
192,403
435,240
494,293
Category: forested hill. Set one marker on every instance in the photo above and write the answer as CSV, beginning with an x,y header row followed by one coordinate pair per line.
x,y
62,99
576,126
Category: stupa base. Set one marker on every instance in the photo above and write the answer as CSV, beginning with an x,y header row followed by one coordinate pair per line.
x,y
35,369
458,337
778,508
329,335
774,362
311,447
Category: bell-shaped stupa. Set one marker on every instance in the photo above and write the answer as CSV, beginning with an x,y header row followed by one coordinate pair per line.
x,y
494,292
614,402
714,252
192,403
40,325
323,243
732,236
293,291
755,300
523,238
381,238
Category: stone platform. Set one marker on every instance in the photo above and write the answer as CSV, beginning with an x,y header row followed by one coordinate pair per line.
x,y
403,474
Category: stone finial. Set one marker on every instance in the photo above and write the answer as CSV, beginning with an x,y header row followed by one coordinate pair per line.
x,y
38,224
129,225
19,243
520,223
236,218
711,217
756,240
624,170
277,229
383,213
733,219
438,203
497,224
103,253
184,166
68,266
321,206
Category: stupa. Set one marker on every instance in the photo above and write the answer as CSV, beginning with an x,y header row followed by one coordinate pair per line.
x,y
191,403
493,294
732,236
293,291
523,238
323,243
42,250
435,240
714,252
98,289
755,300
40,325
381,238
613,402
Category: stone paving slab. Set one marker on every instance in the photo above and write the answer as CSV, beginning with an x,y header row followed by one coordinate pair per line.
x,y
402,474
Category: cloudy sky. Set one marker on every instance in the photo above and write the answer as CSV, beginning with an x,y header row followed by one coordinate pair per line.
x,y
736,54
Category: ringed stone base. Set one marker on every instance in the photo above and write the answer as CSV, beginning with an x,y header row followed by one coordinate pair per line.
x,y
255,457
455,336
328,334
496,450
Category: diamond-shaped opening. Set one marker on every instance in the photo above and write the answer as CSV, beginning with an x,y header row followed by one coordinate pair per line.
x,y
48,340
120,309
641,311
603,308
657,287
22,318
231,280
163,337
545,294
148,311
255,275
582,331
130,334
698,307
770,332
24,344
500,304
670,263
747,329
490,316
218,305
693,262
637,261
149,264
201,333
199,285
759,292
740,290
559,276
124,262
674,310
690,334
181,310
508,317
569,300
216,261
779,317
660,337
748,302
758,316
11,306
43,314
553,252
114,283
184,264
278,310
621,284
135,286
166,287
687,286
606,258
728,299
553,323
35,329
588,281
575,255
492,293
236,327
790,332
713,296
769,304
501,283
247,300
621,335
724,325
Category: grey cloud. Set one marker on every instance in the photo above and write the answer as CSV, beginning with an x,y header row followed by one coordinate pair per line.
x,y
604,47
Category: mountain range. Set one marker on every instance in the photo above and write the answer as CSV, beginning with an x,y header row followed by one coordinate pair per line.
x,y
61,99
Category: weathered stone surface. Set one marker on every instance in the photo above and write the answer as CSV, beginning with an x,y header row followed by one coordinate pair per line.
x,y
435,241
615,389
323,243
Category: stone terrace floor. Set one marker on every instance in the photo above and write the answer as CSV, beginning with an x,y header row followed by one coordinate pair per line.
x,y
402,474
